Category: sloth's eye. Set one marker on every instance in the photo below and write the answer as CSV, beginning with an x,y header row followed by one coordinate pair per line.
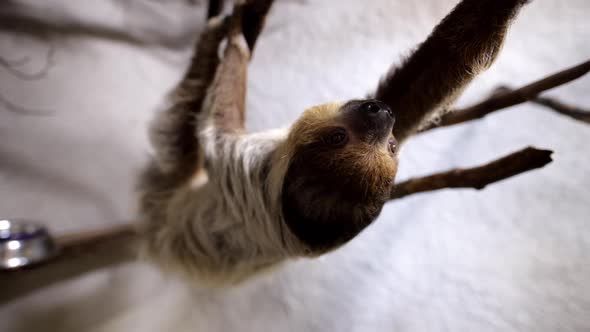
x,y
337,138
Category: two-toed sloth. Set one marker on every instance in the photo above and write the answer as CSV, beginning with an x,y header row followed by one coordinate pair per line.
x,y
221,204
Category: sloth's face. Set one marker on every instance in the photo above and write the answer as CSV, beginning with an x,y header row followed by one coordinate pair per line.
x,y
341,170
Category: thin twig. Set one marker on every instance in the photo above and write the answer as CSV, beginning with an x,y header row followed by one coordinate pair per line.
x,y
78,254
477,177
14,63
558,106
10,66
12,107
30,26
565,109
500,101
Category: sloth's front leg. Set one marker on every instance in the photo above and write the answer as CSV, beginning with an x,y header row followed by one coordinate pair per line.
x,y
172,131
226,98
224,107
464,44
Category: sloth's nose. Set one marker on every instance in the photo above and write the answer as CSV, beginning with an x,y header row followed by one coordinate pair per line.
x,y
372,120
375,108
375,115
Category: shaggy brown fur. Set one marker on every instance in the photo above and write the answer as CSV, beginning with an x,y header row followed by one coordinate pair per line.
x,y
222,204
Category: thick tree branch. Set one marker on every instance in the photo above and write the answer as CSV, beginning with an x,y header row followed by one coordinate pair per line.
x,y
79,253
35,27
509,98
476,177
32,20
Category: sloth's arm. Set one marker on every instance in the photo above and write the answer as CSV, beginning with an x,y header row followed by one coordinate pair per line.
x,y
254,16
172,132
214,8
465,43
226,98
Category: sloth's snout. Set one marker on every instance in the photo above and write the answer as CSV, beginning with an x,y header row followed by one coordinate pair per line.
x,y
375,108
372,120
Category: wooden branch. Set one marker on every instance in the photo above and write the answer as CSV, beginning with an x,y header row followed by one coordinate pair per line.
x,y
78,254
477,177
513,97
556,105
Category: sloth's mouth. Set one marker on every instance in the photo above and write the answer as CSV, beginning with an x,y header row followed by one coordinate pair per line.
x,y
392,145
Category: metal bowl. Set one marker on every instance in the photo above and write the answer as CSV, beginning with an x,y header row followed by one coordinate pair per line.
x,y
23,243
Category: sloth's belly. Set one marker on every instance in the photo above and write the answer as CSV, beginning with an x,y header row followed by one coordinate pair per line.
x,y
202,237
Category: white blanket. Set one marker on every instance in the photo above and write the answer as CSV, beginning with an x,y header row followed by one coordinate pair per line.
x,y
513,257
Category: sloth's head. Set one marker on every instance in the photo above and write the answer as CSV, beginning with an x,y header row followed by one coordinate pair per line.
x,y
340,172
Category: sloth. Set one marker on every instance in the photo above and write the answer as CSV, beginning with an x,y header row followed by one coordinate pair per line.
x,y
221,205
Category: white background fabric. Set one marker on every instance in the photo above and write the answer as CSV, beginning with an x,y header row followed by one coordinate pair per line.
x,y
513,257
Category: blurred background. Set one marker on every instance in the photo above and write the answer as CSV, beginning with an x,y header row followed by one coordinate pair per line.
x,y
79,81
